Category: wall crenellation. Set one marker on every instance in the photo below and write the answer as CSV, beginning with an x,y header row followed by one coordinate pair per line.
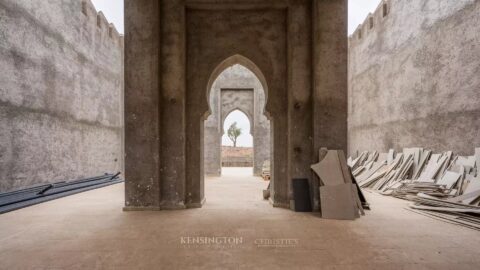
x,y
371,23
89,10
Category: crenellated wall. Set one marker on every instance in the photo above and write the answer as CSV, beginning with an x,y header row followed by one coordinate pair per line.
x,y
61,92
414,79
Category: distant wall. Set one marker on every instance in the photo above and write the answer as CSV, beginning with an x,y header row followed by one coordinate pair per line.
x,y
61,93
237,156
414,77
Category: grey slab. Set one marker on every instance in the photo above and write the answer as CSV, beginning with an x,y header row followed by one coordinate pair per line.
x,y
329,169
337,202
391,156
477,157
449,179
347,178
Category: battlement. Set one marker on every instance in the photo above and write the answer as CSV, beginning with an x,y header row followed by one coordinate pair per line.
x,y
89,10
371,22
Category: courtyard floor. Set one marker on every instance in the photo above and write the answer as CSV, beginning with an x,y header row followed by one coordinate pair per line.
x,y
90,231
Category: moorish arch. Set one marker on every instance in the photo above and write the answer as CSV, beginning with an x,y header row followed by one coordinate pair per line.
x,y
236,88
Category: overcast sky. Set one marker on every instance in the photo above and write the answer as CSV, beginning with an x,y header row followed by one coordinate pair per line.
x,y
113,10
357,12
245,139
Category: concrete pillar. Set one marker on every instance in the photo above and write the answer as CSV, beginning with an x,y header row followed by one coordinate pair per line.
x,y
330,104
173,157
299,94
261,131
213,146
142,88
213,135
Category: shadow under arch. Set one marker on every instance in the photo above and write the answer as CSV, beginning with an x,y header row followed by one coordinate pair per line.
x,y
230,61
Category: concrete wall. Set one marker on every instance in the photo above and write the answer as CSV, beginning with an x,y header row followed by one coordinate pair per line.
x,y
414,77
237,156
60,93
236,88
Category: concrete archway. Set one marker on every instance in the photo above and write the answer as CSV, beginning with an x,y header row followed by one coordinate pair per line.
x,y
236,59
173,49
236,87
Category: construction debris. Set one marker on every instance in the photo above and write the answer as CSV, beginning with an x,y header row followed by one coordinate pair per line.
x,y
266,170
14,200
443,186
339,195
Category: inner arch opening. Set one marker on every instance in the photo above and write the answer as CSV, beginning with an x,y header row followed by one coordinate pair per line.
x,y
237,141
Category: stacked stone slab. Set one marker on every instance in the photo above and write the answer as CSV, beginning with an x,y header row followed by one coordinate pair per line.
x,y
417,170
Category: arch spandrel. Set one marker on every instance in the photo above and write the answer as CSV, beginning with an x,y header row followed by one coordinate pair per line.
x,y
229,62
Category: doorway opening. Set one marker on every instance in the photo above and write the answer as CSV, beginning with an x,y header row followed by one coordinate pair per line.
x,y
237,134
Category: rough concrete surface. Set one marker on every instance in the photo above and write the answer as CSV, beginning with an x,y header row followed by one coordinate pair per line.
x,y
236,88
174,53
90,231
61,87
414,77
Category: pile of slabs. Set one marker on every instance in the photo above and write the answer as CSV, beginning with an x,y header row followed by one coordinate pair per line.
x,y
22,198
442,185
339,195
459,209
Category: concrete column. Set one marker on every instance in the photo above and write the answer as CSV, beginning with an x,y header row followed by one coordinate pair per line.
x,y
330,102
261,143
142,87
261,131
212,151
300,89
173,105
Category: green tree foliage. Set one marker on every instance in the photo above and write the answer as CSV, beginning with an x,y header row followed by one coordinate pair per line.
x,y
233,133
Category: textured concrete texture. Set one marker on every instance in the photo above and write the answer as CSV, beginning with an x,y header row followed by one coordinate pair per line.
x,y
236,88
174,52
61,87
89,231
414,77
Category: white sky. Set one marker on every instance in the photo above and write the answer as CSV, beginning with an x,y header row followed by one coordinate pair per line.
x,y
357,12
245,139
113,10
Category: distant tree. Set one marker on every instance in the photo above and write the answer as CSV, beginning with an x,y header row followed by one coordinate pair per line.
x,y
233,133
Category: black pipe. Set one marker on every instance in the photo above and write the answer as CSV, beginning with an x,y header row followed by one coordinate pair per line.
x,y
21,198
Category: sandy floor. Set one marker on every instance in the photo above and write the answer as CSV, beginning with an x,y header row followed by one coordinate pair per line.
x,y
236,229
